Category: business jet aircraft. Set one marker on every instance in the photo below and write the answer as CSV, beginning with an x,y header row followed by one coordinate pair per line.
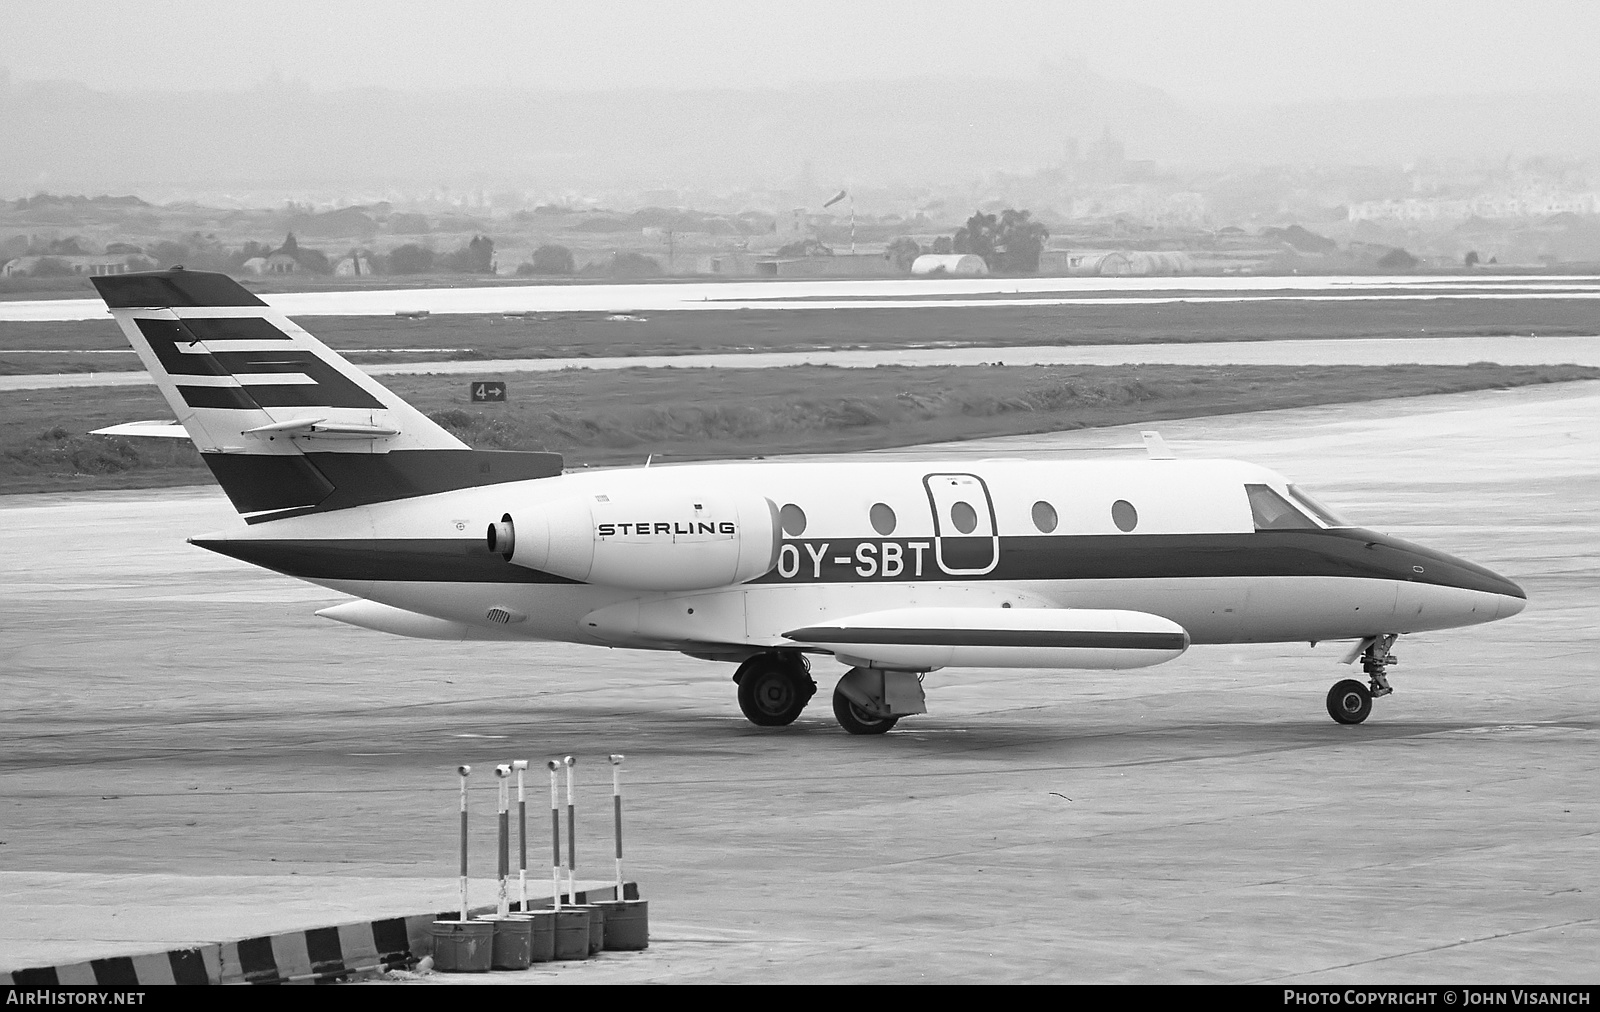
x,y
893,569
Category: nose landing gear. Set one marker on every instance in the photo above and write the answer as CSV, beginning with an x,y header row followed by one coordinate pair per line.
x,y
1350,702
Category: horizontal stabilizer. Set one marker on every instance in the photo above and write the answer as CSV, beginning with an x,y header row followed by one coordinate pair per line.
x,y
157,428
321,427
926,638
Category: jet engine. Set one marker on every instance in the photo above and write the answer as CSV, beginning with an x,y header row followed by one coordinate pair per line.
x,y
668,540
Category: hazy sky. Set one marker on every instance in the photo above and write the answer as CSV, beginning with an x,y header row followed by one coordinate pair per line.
x,y
1231,51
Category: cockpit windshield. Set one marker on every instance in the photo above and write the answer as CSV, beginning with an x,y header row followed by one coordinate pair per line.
x,y
1317,508
1272,512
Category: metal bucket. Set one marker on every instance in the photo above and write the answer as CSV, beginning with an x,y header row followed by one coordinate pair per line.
x,y
572,933
627,924
542,948
513,942
462,946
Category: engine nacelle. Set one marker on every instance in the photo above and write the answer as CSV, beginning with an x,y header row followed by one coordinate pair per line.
x,y
671,540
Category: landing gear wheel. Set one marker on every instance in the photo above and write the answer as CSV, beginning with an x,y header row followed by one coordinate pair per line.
x,y
773,690
1349,702
858,721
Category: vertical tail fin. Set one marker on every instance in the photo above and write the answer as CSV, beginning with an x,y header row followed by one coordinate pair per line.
x,y
285,423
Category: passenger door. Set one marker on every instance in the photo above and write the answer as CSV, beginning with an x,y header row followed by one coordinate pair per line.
x,y
964,536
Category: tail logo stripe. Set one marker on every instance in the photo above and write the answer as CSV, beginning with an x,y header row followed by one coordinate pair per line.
x,y
217,397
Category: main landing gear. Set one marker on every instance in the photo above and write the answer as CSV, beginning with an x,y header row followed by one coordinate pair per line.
x,y
1350,702
774,688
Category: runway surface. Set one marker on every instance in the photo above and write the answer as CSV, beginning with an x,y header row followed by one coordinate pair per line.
x,y
176,717
897,293
1512,350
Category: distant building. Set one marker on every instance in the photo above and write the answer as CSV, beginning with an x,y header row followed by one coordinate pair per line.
x,y
1533,205
86,265
962,265
840,265
281,263
355,265
1115,263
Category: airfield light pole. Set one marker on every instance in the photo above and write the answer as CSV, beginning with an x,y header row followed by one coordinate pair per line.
x,y
464,771
555,831
572,834
521,765
503,851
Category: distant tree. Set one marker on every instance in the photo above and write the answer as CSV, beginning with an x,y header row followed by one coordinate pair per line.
x,y
805,248
1471,259
978,236
170,254
410,259
634,265
552,260
52,267
1397,259
408,224
71,246
525,270
942,245
476,257
123,247
291,245
1019,242
313,261
249,251
902,252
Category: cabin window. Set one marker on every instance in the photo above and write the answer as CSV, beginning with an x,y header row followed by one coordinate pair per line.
x,y
793,519
1044,517
1318,509
964,517
883,519
1272,512
1124,515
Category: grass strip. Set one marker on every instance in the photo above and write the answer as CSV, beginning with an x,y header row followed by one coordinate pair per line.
x,y
590,335
623,416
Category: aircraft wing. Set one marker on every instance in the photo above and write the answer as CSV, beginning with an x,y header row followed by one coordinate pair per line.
x,y
927,638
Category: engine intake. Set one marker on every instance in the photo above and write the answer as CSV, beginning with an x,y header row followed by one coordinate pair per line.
x,y
666,541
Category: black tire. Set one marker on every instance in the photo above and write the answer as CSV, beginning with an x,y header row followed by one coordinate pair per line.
x,y
858,721
1349,702
772,692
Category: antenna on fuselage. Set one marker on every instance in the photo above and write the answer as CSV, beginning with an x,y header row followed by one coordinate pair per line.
x,y
1155,446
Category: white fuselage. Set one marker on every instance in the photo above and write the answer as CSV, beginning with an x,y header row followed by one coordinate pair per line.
x,y
1175,539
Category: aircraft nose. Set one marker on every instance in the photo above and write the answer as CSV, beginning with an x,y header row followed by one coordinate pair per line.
x,y
1511,605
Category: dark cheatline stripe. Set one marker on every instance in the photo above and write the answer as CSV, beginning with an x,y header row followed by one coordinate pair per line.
x,y
991,638
164,289
1249,555
440,560
1345,552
